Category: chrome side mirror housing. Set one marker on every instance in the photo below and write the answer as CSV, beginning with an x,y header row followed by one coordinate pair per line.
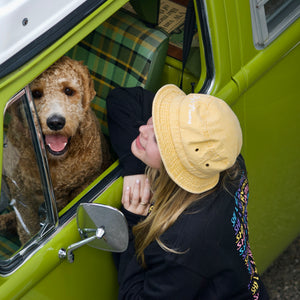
x,y
100,226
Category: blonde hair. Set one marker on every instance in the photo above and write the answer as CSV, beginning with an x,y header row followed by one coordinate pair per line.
x,y
170,202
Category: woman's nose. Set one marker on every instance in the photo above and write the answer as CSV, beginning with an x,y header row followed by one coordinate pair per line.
x,y
143,130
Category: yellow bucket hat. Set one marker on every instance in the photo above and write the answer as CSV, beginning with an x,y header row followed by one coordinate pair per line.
x,y
198,137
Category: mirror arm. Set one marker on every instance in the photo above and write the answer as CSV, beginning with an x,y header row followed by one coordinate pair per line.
x,y
62,253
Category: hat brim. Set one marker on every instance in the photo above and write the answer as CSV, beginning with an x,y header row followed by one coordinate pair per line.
x,y
165,115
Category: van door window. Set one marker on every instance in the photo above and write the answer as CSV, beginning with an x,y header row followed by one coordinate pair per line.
x,y
272,17
24,212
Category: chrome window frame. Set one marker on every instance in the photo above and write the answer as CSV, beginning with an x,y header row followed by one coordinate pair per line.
x,y
209,81
263,35
11,264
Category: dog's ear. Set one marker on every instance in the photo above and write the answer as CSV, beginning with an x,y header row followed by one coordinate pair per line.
x,y
88,85
89,90
87,81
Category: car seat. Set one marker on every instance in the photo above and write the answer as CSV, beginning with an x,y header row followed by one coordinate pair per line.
x,y
122,51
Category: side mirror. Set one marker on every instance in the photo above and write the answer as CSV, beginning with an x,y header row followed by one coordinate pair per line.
x,y
100,226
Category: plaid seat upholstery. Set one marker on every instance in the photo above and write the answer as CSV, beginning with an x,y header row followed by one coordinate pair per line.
x,y
121,52
9,243
8,246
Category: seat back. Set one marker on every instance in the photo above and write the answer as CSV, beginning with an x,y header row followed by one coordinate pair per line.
x,y
122,51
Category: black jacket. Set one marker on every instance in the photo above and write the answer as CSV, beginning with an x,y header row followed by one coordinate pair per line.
x,y
216,260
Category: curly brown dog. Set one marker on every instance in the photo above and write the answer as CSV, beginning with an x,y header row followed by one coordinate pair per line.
x,y
76,149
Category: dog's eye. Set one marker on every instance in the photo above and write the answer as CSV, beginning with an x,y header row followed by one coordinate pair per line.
x,y
69,92
37,94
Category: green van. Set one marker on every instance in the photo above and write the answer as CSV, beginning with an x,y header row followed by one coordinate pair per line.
x,y
246,52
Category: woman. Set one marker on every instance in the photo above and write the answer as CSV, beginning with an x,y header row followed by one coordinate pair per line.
x,y
187,216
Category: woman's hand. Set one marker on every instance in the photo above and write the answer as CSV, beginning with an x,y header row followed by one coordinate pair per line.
x,y
129,181
136,197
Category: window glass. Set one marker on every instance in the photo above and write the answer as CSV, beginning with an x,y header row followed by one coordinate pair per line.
x,y
271,17
22,202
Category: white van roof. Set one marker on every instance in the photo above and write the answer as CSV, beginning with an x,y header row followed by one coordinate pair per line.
x,y
23,21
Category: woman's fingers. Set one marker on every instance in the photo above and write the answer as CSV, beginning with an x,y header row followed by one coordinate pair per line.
x,y
137,199
144,202
129,181
146,192
126,198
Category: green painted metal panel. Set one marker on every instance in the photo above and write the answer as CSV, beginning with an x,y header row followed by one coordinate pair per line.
x,y
263,91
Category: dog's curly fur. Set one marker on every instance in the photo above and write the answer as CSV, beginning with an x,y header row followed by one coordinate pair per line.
x,y
62,96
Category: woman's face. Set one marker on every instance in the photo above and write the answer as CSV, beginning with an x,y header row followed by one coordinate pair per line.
x,y
145,146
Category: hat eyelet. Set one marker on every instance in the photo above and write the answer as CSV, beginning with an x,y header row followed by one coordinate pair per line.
x,y
207,165
197,149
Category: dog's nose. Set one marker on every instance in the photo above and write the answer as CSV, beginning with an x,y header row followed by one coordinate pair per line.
x,y
56,122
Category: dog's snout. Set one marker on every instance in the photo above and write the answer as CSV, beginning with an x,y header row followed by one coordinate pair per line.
x,y
56,122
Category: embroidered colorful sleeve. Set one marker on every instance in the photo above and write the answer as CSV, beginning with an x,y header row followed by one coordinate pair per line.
x,y
240,225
